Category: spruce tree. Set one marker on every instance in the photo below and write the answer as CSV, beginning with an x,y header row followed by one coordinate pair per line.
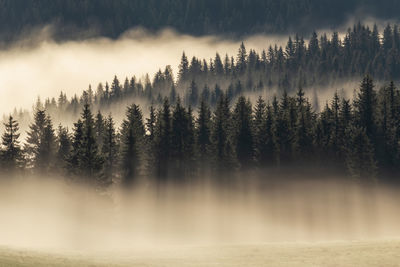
x,y
64,147
203,135
11,154
365,108
243,136
132,145
90,161
360,160
35,136
162,143
223,152
109,151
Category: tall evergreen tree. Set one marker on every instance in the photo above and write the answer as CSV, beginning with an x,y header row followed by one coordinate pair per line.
x,y
243,136
11,154
132,138
203,135
109,151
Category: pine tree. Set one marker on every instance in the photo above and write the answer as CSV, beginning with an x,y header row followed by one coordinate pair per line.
x,y
360,155
178,135
241,58
109,151
183,68
90,161
162,143
243,136
74,159
40,147
132,141
64,147
34,138
99,129
223,153
203,135
11,154
48,149
365,108
193,94
116,90
266,148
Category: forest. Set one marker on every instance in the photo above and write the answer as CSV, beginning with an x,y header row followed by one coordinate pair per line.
x,y
322,62
77,19
359,139
203,124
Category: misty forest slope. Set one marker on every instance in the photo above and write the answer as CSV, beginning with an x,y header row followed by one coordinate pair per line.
x,y
324,254
111,18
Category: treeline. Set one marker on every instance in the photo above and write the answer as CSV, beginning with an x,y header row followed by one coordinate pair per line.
x,y
319,63
83,18
359,138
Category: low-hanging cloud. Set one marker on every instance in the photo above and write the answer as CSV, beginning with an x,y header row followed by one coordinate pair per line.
x,y
39,66
47,67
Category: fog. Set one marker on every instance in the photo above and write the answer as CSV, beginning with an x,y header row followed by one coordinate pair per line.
x,y
52,214
39,66
46,67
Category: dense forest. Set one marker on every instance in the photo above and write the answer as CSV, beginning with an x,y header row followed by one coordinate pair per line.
x,y
202,123
83,18
321,62
359,138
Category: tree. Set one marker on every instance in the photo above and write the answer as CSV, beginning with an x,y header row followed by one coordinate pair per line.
x,y
11,154
88,159
99,129
132,138
360,155
243,136
365,108
64,146
183,68
41,143
162,143
223,154
35,135
193,94
241,58
203,134
178,135
109,151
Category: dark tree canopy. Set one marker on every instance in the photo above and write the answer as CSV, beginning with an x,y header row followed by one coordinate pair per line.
x,y
77,18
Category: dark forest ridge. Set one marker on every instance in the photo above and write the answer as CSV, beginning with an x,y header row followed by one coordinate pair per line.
x,y
359,138
83,18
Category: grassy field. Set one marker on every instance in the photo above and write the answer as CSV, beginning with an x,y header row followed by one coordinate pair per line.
x,y
376,253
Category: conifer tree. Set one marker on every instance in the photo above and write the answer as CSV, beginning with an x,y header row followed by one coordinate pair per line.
x,y
203,134
109,151
99,129
35,135
365,107
223,153
162,142
11,154
132,138
243,136
178,135
360,155
64,147
90,161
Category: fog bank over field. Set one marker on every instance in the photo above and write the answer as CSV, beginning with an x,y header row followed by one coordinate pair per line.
x,y
50,214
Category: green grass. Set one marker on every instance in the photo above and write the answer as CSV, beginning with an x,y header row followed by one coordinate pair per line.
x,y
375,253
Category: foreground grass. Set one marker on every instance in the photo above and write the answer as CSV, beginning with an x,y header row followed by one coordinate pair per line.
x,y
374,253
